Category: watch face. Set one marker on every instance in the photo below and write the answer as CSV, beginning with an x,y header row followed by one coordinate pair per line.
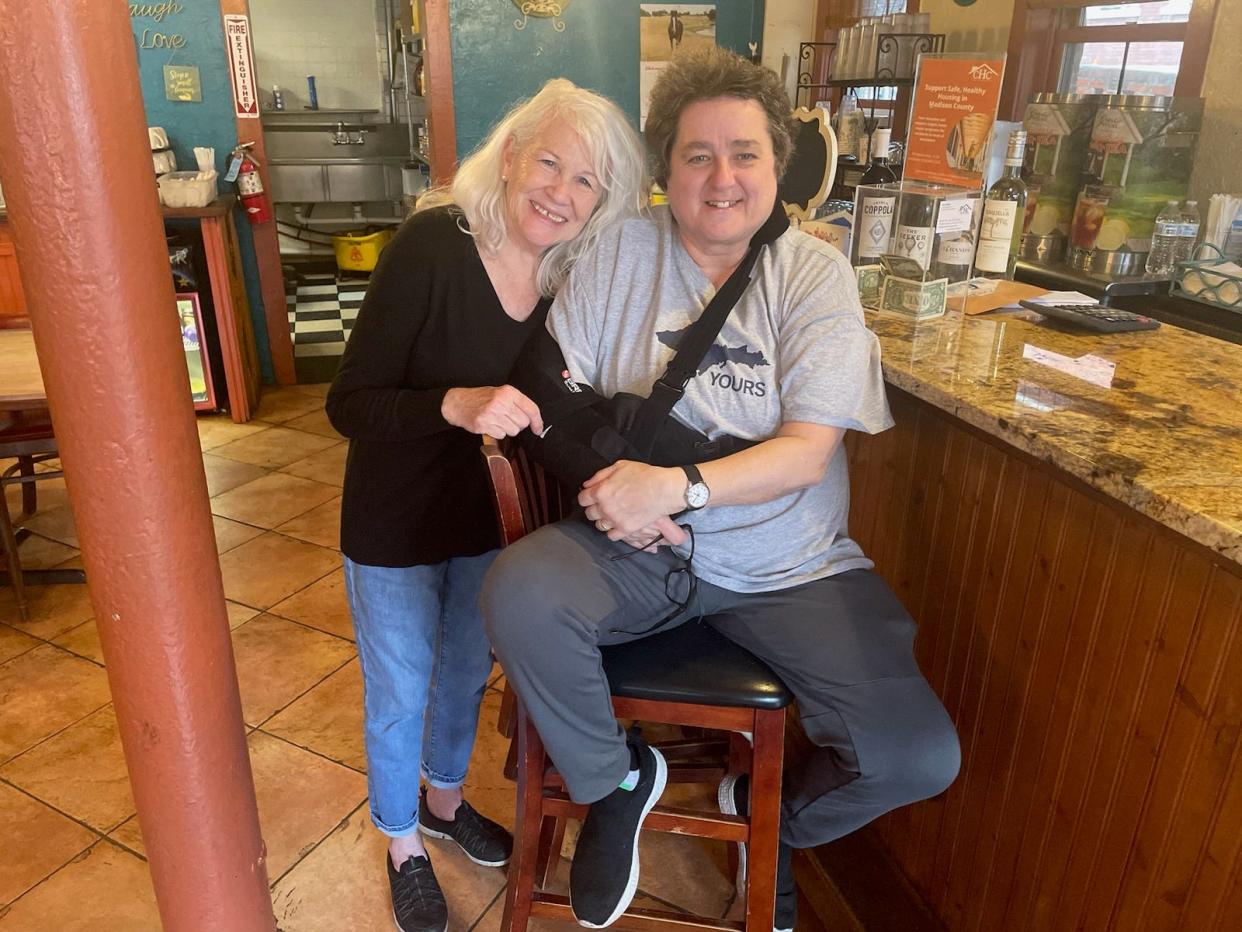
x,y
696,495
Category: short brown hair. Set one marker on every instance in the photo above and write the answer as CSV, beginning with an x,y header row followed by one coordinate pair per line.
x,y
704,74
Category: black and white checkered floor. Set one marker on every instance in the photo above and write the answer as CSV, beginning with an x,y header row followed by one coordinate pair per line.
x,y
322,312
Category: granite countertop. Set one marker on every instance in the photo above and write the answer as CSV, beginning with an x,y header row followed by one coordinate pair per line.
x,y
1152,419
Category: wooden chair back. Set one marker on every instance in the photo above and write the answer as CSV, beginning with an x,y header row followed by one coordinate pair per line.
x,y
525,496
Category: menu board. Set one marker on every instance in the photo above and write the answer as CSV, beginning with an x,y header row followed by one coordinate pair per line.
x,y
955,100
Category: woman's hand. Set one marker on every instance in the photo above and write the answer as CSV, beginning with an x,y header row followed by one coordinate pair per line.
x,y
628,497
652,538
496,411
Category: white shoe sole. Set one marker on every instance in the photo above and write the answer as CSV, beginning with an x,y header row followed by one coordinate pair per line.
x,y
442,928
661,778
433,834
724,799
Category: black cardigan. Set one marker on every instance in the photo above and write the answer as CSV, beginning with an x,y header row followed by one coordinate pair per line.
x,y
416,489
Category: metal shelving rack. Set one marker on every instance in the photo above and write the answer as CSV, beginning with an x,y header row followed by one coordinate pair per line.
x,y
815,60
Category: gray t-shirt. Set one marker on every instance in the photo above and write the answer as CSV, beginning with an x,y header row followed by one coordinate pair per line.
x,y
795,348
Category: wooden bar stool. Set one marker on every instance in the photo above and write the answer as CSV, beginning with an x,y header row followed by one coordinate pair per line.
x,y
690,676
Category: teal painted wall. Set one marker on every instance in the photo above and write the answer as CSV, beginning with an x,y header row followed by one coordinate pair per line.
x,y
207,123
495,65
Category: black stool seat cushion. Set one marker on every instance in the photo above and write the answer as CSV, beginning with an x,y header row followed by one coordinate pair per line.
x,y
692,663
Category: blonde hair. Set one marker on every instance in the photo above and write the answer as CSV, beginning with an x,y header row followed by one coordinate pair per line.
x,y
613,147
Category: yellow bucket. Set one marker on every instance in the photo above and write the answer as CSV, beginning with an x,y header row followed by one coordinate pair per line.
x,y
358,253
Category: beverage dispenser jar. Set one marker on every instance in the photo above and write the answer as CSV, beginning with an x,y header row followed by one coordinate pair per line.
x,y
1058,129
1140,156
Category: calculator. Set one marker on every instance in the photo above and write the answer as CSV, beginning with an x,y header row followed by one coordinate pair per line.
x,y
1095,317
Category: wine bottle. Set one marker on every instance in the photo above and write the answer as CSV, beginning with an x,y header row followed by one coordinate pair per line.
x,y
955,251
873,214
916,229
1001,231
878,171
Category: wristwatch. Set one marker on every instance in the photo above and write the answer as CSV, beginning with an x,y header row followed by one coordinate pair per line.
x,y
697,492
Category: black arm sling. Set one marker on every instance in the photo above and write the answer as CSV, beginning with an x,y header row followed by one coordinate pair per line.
x,y
628,426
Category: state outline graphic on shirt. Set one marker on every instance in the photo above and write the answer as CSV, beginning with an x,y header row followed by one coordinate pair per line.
x,y
718,354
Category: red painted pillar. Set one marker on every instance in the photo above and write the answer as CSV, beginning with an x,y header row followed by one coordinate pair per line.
x,y
86,220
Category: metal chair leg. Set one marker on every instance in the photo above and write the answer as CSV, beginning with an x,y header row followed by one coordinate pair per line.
x,y
30,494
8,539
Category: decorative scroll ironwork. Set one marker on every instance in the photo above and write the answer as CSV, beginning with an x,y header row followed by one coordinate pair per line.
x,y
541,9
897,50
903,55
808,64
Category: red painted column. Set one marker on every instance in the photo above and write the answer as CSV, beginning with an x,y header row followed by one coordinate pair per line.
x,y
90,241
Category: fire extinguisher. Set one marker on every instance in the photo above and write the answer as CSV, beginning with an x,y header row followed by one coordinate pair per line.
x,y
245,170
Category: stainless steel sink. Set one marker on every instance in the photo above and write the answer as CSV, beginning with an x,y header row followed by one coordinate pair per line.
x,y
309,162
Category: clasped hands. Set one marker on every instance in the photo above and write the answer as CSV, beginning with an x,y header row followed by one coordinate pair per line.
x,y
631,502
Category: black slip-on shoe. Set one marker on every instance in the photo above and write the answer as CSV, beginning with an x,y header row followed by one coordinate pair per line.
x,y
483,841
733,797
417,902
604,874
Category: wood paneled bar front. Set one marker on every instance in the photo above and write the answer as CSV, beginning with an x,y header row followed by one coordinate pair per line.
x,y
1062,514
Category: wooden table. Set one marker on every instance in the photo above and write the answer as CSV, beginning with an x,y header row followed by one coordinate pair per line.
x,y
21,382
21,389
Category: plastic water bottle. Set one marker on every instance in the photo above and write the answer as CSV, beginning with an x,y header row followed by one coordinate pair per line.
x,y
1188,233
1164,241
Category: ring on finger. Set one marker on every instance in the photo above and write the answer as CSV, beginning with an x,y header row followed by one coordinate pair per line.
x,y
603,525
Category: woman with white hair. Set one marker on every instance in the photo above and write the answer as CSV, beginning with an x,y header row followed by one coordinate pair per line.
x,y
456,294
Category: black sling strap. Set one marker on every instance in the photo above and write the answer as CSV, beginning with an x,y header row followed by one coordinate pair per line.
x,y
671,386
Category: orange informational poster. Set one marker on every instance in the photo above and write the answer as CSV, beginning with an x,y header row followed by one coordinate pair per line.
x,y
955,100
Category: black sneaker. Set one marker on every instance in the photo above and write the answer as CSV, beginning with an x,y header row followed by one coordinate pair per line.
x,y
604,874
417,903
733,797
483,840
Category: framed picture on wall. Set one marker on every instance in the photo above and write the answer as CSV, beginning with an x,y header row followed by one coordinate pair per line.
x,y
664,29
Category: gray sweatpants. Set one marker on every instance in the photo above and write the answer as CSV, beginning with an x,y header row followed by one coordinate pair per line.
x,y
842,645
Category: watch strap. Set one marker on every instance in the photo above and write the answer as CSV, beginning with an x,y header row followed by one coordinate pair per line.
x,y
693,474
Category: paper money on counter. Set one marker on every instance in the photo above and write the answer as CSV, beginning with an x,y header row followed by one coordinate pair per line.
x,y
870,279
913,298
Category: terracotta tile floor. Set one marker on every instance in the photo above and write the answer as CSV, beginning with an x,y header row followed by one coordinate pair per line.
x,y
68,832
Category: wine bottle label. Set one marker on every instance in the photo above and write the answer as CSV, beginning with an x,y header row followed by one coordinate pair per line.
x,y
914,242
955,251
875,226
995,236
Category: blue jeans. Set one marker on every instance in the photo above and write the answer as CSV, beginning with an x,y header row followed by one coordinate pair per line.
x,y
425,663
